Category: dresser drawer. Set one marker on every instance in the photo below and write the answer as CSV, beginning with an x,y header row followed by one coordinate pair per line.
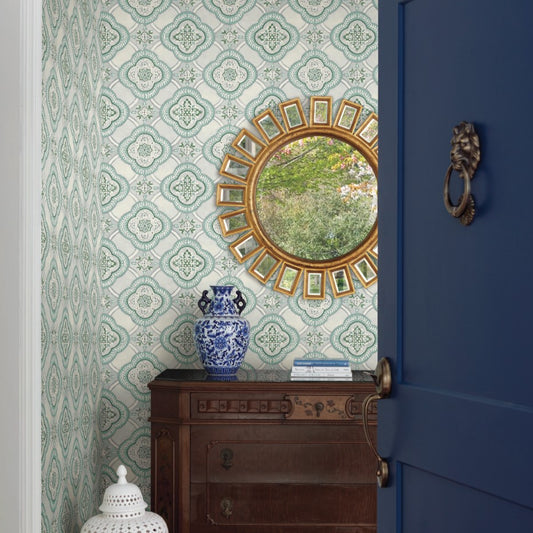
x,y
289,462
283,504
289,454
279,406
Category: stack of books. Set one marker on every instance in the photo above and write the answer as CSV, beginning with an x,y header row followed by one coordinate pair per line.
x,y
321,370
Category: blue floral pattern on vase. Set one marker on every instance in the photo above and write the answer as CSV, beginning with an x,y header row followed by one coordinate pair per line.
x,y
222,335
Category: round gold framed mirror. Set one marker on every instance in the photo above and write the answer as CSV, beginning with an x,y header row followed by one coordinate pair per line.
x,y
303,197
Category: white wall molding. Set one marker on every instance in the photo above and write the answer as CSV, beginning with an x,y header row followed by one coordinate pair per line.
x,y
30,267
20,91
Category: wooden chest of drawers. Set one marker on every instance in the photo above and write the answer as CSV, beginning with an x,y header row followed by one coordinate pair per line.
x,y
261,457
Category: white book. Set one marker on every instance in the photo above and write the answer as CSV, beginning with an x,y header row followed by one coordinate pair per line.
x,y
325,376
321,362
315,377
322,370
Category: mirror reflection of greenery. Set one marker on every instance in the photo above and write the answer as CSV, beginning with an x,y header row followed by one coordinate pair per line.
x,y
293,115
288,279
316,198
314,284
235,222
264,267
340,281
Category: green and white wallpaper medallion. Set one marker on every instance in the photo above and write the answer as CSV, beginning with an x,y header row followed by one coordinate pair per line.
x,y
140,103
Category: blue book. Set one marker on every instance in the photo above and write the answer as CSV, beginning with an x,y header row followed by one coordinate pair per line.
x,y
321,362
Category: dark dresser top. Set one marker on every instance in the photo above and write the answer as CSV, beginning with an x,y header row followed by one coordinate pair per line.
x,y
257,376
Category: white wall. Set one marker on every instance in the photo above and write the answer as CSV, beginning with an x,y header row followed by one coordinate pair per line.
x,y
19,266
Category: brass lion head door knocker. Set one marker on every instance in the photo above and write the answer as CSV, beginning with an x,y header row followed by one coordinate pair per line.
x,y
465,156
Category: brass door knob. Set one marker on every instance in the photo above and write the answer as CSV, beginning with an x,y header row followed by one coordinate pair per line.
x,y
383,380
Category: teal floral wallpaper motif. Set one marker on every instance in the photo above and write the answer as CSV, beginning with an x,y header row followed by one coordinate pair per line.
x,y
187,37
272,37
141,100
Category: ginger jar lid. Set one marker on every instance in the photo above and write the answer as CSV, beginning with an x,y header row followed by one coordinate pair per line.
x,y
123,499
123,511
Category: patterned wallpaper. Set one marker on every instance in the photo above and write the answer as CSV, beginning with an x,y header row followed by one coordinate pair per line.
x,y
130,221
71,287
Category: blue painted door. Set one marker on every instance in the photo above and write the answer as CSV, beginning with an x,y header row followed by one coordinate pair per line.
x,y
456,302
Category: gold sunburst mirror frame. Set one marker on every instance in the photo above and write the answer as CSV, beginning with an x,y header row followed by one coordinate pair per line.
x,y
245,169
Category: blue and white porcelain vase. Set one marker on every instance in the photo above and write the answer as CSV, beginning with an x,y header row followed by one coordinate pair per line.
x,y
222,335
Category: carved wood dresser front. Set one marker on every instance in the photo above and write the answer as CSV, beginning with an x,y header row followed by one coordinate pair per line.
x,y
264,456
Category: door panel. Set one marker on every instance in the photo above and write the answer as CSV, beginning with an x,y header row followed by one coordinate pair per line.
x,y
454,301
454,507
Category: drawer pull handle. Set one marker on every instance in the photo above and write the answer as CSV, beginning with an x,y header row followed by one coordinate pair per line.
x,y
319,407
226,455
227,507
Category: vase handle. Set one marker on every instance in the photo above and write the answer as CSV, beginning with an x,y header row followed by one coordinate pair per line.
x,y
240,302
203,302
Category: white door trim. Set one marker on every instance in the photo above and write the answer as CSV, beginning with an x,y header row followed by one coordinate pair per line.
x,y
30,266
